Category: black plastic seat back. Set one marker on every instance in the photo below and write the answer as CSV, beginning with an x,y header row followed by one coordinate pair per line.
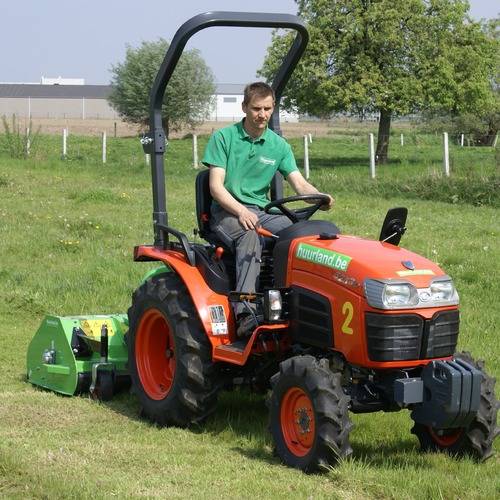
x,y
203,212
203,202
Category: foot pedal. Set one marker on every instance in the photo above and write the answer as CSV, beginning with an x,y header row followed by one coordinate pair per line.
x,y
238,346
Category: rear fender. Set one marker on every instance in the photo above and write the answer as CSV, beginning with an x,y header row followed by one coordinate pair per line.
x,y
213,309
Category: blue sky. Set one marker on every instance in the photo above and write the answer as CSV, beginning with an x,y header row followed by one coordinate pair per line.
x,y
54,38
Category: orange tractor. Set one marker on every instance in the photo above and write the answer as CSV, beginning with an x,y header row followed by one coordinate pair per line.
x,y
350,324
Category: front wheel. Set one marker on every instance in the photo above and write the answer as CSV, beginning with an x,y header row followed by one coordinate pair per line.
x,y
476,440
310,421
169,354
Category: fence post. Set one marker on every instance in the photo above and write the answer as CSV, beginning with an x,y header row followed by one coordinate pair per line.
x,y
104,147
306,157
28,142
372,156
64,138
402,140
195,151
446,152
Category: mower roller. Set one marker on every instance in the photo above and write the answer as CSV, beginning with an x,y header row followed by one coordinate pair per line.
x,y
351,325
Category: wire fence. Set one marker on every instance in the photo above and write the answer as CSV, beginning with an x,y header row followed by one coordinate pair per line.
x,y
338,151
409,153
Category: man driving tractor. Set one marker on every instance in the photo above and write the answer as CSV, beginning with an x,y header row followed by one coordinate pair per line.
x,y
243,159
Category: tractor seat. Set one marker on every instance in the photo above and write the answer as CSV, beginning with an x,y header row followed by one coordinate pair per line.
x,y
203,213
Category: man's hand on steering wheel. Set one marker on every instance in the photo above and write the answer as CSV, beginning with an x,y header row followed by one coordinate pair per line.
x,y
323,202
327,206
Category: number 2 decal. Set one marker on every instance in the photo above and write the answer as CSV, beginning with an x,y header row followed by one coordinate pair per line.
x,y
348,312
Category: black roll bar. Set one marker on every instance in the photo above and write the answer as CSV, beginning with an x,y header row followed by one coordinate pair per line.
x,y
155,142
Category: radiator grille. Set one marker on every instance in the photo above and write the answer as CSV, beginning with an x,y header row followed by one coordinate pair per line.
x,y
404,337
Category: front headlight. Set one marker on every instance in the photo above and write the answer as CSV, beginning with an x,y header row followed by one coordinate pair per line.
x,y
399,294
389,294
385,294
442,290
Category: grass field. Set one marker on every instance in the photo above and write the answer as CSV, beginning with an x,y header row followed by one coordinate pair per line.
x,y
68,229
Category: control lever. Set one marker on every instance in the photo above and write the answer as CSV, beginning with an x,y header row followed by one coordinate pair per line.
x,y
265,232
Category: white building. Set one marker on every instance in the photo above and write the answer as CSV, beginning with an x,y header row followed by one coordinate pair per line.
x,y
228,105
64,98
62,81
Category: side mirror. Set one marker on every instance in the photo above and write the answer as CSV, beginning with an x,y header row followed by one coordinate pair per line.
x,y
394,227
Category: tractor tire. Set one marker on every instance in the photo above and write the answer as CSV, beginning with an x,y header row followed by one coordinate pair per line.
x,y
476,440
310,421
169,354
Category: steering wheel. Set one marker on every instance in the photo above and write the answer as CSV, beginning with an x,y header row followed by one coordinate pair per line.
x,y
298,214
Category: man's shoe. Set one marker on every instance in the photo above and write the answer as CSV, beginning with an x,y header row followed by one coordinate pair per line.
x,y
245,325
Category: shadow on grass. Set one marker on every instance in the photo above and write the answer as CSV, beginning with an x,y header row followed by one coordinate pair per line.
x,y
242,416
242,411
393,454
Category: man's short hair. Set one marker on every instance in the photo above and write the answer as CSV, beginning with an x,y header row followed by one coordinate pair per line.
x,y
257,89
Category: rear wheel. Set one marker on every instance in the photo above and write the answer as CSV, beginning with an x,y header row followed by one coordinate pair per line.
x,y
475,440
309,413
170,356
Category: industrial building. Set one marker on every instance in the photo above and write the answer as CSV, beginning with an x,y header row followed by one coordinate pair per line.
x,y
62,98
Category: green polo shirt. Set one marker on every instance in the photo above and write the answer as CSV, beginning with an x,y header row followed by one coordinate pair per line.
x,y
250,165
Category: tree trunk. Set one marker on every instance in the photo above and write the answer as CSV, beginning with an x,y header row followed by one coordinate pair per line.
x,y
384,129
489,140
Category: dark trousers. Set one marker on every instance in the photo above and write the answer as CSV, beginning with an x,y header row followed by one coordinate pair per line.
x,y
247,245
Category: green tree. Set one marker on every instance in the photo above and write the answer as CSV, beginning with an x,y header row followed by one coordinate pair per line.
x,y
189,94
393,57
491,117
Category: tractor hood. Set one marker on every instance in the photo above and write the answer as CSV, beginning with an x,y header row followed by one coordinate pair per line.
x,y
353,262
356,259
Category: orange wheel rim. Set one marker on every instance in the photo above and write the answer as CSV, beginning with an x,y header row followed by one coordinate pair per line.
x,y
447,437
297,421
155,355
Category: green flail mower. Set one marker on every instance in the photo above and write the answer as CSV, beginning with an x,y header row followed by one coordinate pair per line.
x,y
73,355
